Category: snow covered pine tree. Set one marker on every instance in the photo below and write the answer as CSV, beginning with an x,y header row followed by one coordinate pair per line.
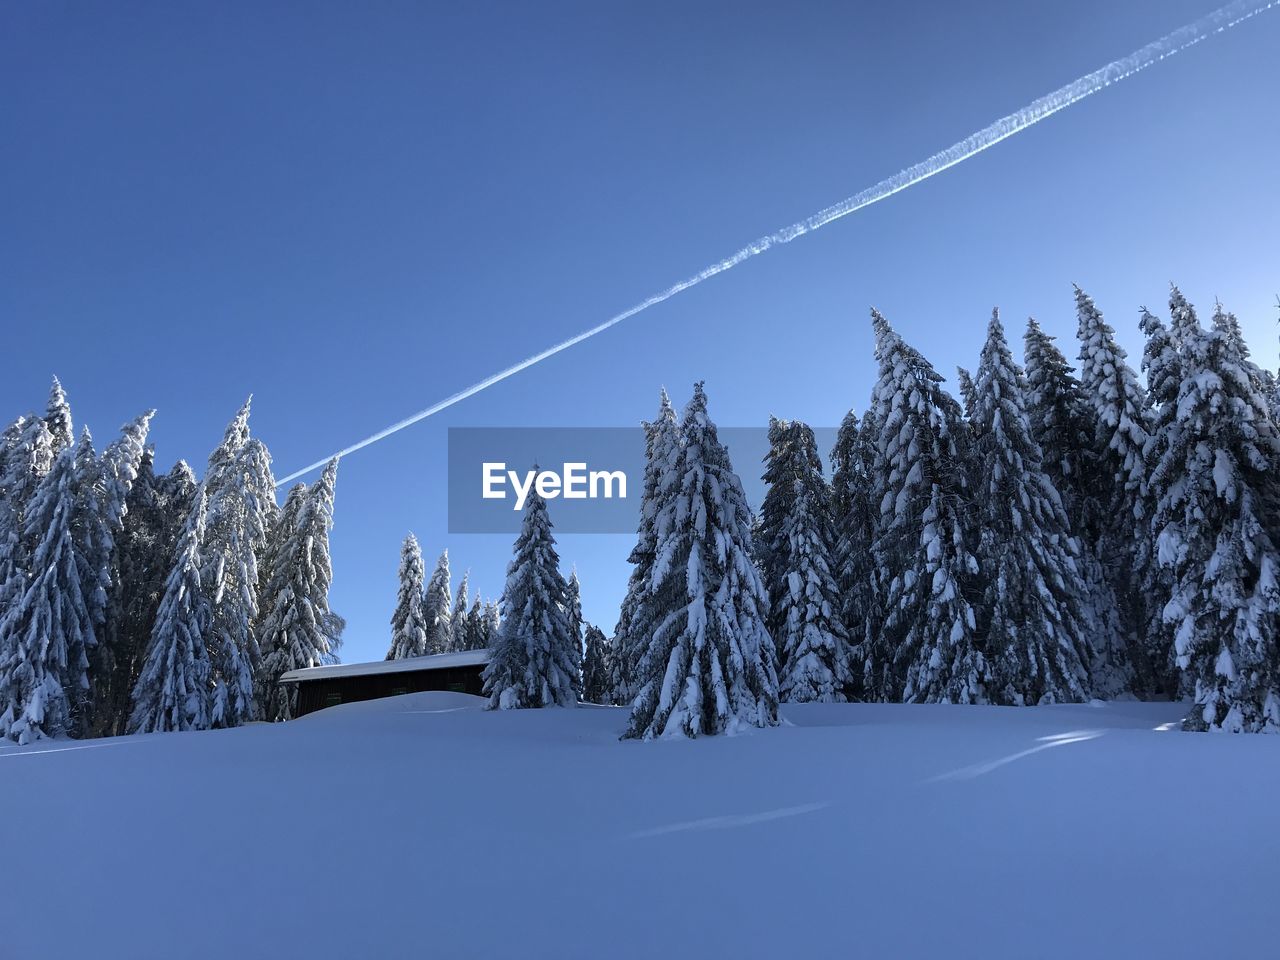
x,y
595,668
297,629
408,624
929,650
436,607
1216,499
534,661
710,665
1030,615
635,623
173,688
794,543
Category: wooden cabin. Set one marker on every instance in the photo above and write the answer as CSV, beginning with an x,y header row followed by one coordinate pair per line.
x,y
328,686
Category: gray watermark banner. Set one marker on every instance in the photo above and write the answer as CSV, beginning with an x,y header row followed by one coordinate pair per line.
x,y
591,477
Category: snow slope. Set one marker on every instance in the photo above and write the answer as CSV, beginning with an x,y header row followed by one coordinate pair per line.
x,y
421,826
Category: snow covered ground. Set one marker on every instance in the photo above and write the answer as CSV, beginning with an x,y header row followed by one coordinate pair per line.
x,y
422,826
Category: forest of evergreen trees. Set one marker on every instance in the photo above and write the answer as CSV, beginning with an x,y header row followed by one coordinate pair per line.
x,y
1055,534
132,601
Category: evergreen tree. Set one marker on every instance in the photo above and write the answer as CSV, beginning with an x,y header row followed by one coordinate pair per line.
x,y
173,687
595,668
573,613
436,605
158,508
1162,363
929,649
45,633
968,393
491,624
57,418
635,620
1117,406
1216,492
710,665
533,662
408,624
1031,612
298,631
474,635
854,511
27,457
275,586
794,543
103,485
458,619
241,506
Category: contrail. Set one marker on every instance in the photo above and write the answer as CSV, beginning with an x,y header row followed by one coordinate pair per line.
x,y
1181,39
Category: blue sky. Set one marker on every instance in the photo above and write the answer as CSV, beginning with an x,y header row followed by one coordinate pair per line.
x,y
353,210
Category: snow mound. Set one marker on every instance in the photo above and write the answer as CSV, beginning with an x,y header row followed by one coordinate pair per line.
x,y
424,826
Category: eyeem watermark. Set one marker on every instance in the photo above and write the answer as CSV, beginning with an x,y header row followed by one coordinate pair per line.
x,y
591,477
573,482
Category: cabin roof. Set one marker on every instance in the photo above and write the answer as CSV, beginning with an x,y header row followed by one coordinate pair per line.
x,y
439,661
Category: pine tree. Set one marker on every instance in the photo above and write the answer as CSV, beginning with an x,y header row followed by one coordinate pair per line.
x,y
297,630
595,668
533,662
241,505
28,456
794,542
854,512
635,621
968,393
1032,611
573,614
57,418
103,487
275,586
1162,364
158,508
710,665
45,633
476,633
173,687
1117,407
436,606
1216,492
492,624
408,624
929,650
458,619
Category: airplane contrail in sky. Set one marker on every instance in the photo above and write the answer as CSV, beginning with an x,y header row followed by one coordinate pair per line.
x,y
1179,40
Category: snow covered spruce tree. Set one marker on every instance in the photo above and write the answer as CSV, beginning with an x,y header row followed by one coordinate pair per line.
x,y
158,509
854,511
710,665
436,607
794,541
1061,420
46,632
533,662
408,624
635,620
1118,473
173,688
241,511
595,668
573,614
458,618
1031,612
928,650
57,418
298,631
103,487
1216,499
476,636
1162,362
28,454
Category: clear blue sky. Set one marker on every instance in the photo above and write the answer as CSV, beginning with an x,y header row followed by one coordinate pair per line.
x,y
352,210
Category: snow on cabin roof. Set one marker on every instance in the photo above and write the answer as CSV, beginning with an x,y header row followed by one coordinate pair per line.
x,y
439,661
